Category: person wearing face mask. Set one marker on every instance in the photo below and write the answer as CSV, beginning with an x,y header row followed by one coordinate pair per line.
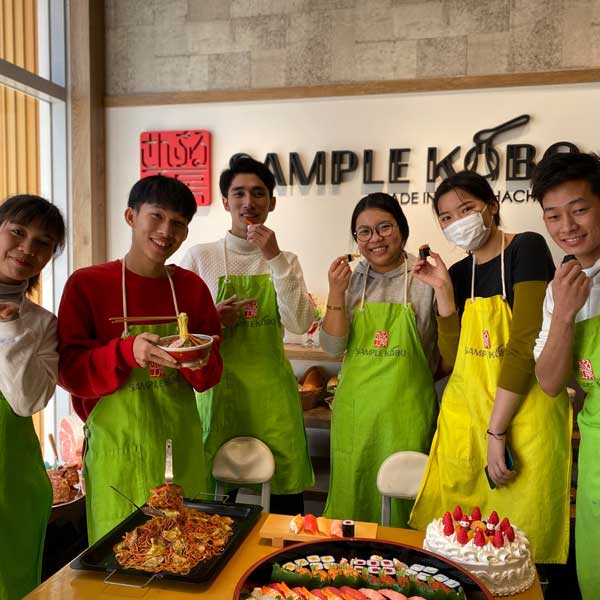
x,y
384,321
490,310
258,289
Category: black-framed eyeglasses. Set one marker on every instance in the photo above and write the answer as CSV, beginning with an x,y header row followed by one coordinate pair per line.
x,y
364,234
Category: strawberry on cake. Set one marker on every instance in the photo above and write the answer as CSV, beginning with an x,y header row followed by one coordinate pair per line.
x,y
496,552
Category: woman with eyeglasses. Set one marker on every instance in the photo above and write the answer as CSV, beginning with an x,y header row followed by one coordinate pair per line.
x,y
383,318
501,443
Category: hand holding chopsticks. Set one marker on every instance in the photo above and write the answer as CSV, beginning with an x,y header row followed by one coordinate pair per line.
x,y
146,351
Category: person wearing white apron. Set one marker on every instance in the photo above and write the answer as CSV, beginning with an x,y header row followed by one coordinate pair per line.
x,y
567,186
492,401
132,395
31,231
258,289
385,402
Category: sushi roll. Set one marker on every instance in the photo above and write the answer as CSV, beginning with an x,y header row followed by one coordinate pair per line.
x,y
422,576
313,558
399,564
452,584
430,570
424,251
327,559
348,528
359,562
410,572
385,562
300,562
417,567
373,563
440,577
316,566
374,570
568,258
389,570
290,566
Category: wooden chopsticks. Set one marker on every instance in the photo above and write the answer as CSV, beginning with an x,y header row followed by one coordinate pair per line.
x,y
141,319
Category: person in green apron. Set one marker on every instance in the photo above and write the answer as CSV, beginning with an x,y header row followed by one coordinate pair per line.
x,y
258,289
32,230
567,186
385,402
490,309
132,395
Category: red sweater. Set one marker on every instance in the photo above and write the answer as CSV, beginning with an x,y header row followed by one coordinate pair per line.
x,y
94,360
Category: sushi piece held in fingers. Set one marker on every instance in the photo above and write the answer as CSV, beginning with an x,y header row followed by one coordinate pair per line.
x,y
568,258
297,524
424,251
351,257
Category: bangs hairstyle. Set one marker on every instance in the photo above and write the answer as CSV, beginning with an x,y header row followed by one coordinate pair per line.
x,y
244,163
561,167
474,184
383,202
27,209
166,192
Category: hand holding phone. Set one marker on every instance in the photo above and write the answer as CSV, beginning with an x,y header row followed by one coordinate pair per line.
x,y
508,459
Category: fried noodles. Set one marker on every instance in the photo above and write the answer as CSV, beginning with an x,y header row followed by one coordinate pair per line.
x,y
173,543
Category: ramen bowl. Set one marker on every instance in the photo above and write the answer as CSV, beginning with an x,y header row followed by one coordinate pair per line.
x,y
187,355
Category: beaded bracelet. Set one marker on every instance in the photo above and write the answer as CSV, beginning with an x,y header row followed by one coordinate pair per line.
x,y
496,436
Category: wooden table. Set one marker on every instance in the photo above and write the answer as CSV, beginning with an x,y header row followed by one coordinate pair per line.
x,y
68,584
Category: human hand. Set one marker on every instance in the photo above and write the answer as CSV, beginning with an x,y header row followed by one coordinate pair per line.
x,y
264,238
435,274
570,290
339,276
229,309
497,468
146,351
8,310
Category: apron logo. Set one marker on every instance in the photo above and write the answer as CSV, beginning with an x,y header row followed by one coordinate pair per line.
x,y
585,370
486,339
381,339
251,310
155,370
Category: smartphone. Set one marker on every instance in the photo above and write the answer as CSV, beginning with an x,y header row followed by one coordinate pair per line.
x,y
508,459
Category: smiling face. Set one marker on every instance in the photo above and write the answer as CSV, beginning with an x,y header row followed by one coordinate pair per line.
x,y
157,232
384,253
248,199
24,251
572,217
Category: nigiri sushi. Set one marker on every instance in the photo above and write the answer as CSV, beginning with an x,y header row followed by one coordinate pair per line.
x,y
392,595
297,524
336,528
310,524
371,594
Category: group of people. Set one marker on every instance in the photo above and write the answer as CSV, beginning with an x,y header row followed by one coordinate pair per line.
x,y
509,329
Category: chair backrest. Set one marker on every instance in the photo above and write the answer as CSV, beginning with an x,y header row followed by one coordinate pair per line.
x,y
401,473
243,460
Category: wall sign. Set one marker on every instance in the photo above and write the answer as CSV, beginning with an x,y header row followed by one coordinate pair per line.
x,y
183,154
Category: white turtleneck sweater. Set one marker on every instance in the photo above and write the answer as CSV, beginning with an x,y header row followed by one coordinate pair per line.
x,y
243,258
590,309
28,358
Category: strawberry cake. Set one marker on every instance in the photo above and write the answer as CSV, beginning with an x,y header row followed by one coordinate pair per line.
x,y
494,550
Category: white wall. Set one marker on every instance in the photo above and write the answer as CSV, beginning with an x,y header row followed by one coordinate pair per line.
x,y
314,221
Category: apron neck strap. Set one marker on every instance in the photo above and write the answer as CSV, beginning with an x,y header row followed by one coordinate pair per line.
x,y
364,289
225,261
125,332
501,272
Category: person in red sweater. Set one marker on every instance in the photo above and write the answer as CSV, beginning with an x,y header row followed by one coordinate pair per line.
x,y
132,395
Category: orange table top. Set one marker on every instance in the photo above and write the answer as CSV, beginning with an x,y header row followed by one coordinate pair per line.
x,y
69,584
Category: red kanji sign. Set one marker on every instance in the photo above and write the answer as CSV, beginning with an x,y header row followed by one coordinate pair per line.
x,y
486,339
381,339
184,155
586,370
251,310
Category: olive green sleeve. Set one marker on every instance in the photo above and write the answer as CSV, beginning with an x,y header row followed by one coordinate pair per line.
x,y
448,335
518,365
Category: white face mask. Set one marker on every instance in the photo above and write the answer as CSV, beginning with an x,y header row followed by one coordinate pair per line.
x,y
468,233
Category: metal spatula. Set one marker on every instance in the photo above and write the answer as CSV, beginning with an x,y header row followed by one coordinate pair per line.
x,y
169,462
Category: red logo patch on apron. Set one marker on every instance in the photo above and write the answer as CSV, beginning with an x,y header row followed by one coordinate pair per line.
x,y
486,339
381,339
251,310
585,370
155,370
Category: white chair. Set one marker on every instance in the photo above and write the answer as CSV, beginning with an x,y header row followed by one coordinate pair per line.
x,y
399,476
244,461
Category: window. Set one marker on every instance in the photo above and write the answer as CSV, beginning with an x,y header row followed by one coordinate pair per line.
x,y
33,135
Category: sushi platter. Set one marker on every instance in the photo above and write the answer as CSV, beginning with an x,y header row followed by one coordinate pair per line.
x,y
277,529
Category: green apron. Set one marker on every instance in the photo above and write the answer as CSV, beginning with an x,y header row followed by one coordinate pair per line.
x,y
126,434
25,503
258,393
385,402
586,367
539,438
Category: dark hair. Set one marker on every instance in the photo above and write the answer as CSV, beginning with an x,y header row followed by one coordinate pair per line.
x,y
383,202
244,163
26,209
166,192
471,182
561,167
